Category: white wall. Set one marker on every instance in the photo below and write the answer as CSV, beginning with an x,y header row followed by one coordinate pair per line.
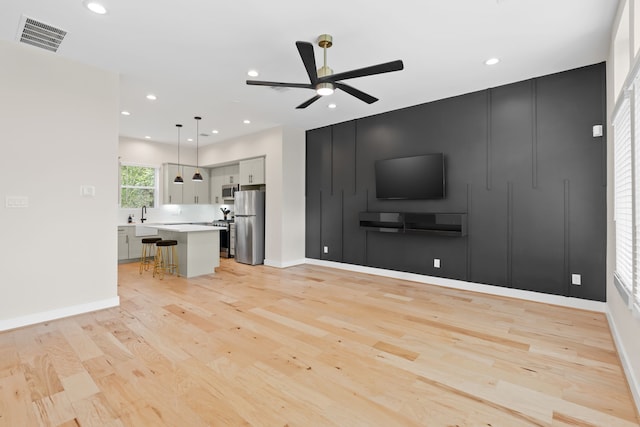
x,y
150,153
625,328
284,173
59,121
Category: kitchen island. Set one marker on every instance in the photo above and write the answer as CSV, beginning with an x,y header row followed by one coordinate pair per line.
x,y
198,246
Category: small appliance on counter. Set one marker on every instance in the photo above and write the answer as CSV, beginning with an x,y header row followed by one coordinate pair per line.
x,y
249,226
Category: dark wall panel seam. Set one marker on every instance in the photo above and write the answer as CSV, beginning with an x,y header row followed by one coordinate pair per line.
x,y
567,236
534,136
510,233
355,157
321,242
331,164
488,141
469,232
341,225
603,118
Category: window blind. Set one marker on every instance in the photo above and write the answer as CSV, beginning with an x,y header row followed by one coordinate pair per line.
x,y
623,195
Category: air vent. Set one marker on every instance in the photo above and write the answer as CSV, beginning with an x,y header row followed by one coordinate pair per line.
x,y
204,134
39,34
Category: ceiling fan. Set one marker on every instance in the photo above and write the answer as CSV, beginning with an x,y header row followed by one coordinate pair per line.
x,y
323,81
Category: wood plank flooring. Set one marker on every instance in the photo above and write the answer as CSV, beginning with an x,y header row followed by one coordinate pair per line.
x,y
312,346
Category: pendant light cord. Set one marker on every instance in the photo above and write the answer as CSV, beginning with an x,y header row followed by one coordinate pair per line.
x,y
197,142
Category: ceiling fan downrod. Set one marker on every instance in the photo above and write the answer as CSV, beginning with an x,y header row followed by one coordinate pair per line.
x,y
325,41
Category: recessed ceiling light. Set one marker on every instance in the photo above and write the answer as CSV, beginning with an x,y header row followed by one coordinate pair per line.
x,y
252,73
152,97
190,139
95,7
332,105
214,131
492,61
125,113
246,122
147,137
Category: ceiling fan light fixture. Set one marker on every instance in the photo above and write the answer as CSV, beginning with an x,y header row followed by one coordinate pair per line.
x,y
324,89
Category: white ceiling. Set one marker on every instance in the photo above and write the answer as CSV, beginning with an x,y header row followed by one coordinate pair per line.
x,y
194,54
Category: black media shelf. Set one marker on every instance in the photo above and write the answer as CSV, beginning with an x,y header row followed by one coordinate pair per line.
x,y
443,224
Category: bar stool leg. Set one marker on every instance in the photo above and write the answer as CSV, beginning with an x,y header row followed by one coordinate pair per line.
x,y
158,264
174,259
143,258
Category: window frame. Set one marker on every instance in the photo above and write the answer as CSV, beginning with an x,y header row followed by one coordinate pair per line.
x,y
155,188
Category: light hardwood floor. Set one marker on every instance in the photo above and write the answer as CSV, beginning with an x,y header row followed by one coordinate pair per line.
x,y
312,346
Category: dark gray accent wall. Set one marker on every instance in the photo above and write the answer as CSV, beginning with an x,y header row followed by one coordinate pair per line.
x,y
520,161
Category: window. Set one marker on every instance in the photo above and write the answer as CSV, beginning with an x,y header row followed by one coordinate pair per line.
x,y
138,186
623,195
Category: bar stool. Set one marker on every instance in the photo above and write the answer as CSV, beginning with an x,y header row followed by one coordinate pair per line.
x,y
148,252
166,260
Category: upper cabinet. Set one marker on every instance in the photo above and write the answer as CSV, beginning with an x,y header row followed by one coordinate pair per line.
x,y
172,193
195,192
223,175
252,171
189,193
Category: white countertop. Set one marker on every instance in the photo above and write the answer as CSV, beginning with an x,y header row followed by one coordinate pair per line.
x,y
185,228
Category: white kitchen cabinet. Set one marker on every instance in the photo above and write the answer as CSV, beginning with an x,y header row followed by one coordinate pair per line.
x,y
172,193
232,174
223,175
123,243
189,193
252,171
194,192
129,245
135,244
216,181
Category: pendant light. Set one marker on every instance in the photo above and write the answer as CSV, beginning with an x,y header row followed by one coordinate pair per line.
x,y
197,176
178,179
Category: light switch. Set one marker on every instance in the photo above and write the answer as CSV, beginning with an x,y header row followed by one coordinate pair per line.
x,y
326,249
436,262
576,279
88,191
597,131
17,202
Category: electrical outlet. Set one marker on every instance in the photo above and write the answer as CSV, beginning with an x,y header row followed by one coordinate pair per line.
x,y
576,279
326,249
436,262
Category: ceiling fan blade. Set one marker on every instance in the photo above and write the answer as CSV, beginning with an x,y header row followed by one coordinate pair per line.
x,y
357,93
387,67
308,59
308,102
297,85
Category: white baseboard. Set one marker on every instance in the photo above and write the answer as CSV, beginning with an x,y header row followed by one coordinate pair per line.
x,y
284,264
59,313
469,286
634,382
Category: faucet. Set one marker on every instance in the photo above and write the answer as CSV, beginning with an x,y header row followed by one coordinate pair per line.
x,y
144,211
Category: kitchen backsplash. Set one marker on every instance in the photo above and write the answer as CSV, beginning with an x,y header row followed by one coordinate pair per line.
x,y
176,213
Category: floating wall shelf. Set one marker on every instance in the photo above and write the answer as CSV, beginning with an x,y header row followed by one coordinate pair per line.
x,y
443,224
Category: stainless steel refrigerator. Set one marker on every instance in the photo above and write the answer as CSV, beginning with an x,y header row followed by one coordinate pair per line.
x,y
249,221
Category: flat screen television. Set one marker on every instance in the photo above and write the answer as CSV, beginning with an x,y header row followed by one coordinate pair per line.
x,y
411,178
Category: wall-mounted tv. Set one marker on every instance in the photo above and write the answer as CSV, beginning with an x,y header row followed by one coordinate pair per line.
x,y
411,178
